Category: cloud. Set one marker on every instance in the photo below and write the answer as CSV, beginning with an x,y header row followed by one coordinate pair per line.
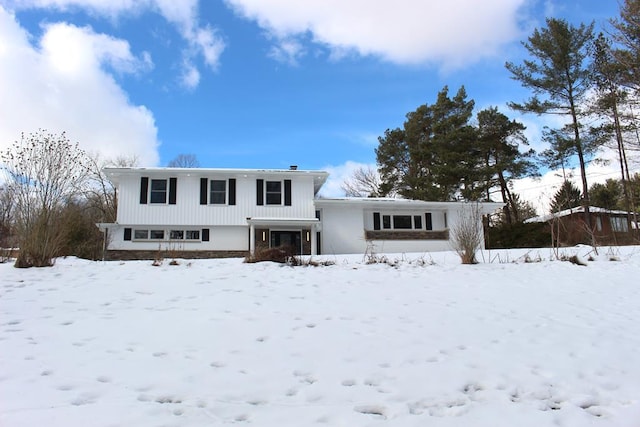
x,y
540,191
64,84
338,174
451,33
202,41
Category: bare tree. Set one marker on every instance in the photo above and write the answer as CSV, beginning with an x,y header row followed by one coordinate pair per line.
x,y
184,161
45,171
100,192
6,223
363,182
467,233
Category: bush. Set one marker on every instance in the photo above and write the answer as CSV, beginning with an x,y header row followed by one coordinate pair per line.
x,y
280,254
466,234
518,235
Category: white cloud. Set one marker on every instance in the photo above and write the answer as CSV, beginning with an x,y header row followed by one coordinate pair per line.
x,y
190,77
452,33
338,174
202,41
540,191
63,85
287,50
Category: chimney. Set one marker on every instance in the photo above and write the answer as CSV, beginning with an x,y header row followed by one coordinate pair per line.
x,y
293,167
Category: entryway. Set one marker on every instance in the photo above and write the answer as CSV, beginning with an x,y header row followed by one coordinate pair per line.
x,y
287,238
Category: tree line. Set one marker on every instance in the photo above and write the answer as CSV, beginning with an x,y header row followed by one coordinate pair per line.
x,y
591,81
54,194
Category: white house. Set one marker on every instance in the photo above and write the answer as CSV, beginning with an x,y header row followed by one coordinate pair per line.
x,y
232,212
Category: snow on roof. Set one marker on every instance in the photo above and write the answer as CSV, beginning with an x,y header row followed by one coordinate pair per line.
x,y
388,202
567,212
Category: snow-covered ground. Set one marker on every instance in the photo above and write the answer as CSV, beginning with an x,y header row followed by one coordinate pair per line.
x,y
429,342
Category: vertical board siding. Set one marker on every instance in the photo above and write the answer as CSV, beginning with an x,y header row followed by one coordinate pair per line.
x,y
189,211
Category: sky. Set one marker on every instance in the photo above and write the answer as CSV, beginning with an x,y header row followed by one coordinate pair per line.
x,y
260,83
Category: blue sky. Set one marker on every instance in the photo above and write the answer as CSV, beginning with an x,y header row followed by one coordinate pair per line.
x,y
257,83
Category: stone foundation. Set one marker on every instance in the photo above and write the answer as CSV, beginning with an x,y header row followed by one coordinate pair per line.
x,y
406,235
118,255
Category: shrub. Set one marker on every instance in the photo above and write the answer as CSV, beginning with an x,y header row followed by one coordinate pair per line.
x,y
466,234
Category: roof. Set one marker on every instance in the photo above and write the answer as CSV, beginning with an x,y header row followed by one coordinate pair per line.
x,y
394,203
319,177
567,212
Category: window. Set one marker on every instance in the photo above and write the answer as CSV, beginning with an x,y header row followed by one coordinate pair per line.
x,y
218,192
141,234
402,222
619,224
273,192
160,234
192,234
158,191
156,234
161,191
176,235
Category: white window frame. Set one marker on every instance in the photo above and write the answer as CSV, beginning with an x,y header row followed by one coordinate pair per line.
x,y
165,191
280,193
211,192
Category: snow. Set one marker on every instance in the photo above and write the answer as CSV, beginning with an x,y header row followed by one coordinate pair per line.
x,y
426,342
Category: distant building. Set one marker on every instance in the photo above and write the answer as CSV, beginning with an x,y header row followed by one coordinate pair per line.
x,y
608,227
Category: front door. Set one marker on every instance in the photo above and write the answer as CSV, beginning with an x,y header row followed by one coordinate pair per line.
x,y
287,238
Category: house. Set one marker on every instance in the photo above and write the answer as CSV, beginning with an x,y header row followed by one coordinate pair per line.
x,y
608,227
195,213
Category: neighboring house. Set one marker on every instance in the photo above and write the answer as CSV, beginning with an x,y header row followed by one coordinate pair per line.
x,y
608,227
233,212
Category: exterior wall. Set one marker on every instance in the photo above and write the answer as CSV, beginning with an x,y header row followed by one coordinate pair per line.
x,y
189,212
221,238
572,230
345,228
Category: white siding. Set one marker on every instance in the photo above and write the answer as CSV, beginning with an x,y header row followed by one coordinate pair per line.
x,y
188,211
344,225
342,230
221,238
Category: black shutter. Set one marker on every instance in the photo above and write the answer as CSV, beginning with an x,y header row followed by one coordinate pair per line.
x,y
144,190
205,234
260,192
127,234
428,222
232,191
173,184
376,220
203,191
287,192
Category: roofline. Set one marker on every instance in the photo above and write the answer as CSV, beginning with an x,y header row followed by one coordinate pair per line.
x,y
194,171
319,176
575,210
486,207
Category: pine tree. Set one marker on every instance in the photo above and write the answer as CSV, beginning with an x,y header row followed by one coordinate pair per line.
x,y
559,72
568,196
432,157
499,140
627,35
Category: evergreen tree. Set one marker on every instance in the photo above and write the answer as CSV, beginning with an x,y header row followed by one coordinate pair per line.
x,y
568,196
559,71
499,140
627,35
432,156
607,195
